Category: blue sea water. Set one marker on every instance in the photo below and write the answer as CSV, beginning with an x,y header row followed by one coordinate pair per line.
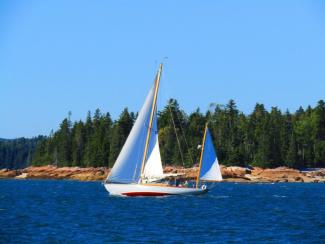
x,y
56,211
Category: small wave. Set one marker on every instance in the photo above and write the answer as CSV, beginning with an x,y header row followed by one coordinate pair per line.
x,y
219,197
280,196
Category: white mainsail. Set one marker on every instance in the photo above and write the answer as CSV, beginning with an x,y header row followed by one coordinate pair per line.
x,y
128,164
210,169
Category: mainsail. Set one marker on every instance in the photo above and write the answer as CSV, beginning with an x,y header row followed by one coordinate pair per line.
x,y
140,155
210,169
127,168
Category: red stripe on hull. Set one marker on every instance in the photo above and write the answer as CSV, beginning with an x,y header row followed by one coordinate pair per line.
x,y
145,194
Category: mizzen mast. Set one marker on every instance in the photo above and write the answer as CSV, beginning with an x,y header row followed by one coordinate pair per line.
x,y
201,157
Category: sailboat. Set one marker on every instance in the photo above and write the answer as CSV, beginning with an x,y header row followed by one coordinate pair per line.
x,y
138,168
209,169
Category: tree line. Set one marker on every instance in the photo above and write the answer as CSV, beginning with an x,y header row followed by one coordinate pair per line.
x,y
263,138
18,153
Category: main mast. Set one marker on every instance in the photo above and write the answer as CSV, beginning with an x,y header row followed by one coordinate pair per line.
x,y
201,157
154,102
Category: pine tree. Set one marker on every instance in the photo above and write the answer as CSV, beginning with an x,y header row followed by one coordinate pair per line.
x,y
320,121
276,122
86,160
260,125
319,130
106,127
78,143
63,140
292,152
232,130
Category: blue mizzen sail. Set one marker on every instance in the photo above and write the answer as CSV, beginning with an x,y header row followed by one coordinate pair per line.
x,y
210,169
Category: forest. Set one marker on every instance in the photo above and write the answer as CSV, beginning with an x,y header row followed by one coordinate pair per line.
x,y
17,153
263,138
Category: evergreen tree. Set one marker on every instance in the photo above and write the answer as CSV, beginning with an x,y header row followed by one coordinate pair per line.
x,y
320,121
63,140
292,152
86,160
276,123
106,128
319,115
233,141
78,143
260,125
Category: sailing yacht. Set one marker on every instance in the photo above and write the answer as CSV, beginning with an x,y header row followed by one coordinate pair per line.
x,y
138,167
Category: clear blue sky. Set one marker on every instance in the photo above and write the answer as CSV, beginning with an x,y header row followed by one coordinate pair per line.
x,y
59,56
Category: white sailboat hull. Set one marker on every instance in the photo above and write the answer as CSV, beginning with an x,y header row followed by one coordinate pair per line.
x,y
150,190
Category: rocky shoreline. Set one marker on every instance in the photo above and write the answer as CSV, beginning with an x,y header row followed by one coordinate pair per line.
x,y
230,174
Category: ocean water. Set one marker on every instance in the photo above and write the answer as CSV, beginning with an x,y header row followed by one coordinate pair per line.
x,y
56,211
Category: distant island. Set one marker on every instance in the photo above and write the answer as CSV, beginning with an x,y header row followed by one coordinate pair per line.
x,y
262,139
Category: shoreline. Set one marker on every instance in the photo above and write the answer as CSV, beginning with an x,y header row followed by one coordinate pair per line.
x,y
230,174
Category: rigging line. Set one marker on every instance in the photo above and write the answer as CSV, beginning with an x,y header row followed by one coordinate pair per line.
x,y
182,130
187,147
178,142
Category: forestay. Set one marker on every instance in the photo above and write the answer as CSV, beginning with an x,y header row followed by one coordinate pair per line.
x,y
210,169
128,164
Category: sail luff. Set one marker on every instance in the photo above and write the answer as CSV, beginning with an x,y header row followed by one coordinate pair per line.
x,y
150,121
201,156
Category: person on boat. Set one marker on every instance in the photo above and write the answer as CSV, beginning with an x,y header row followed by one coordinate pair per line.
x,y
177,182
186,184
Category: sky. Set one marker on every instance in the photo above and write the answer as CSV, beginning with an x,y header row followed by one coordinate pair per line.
x,y
58,56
